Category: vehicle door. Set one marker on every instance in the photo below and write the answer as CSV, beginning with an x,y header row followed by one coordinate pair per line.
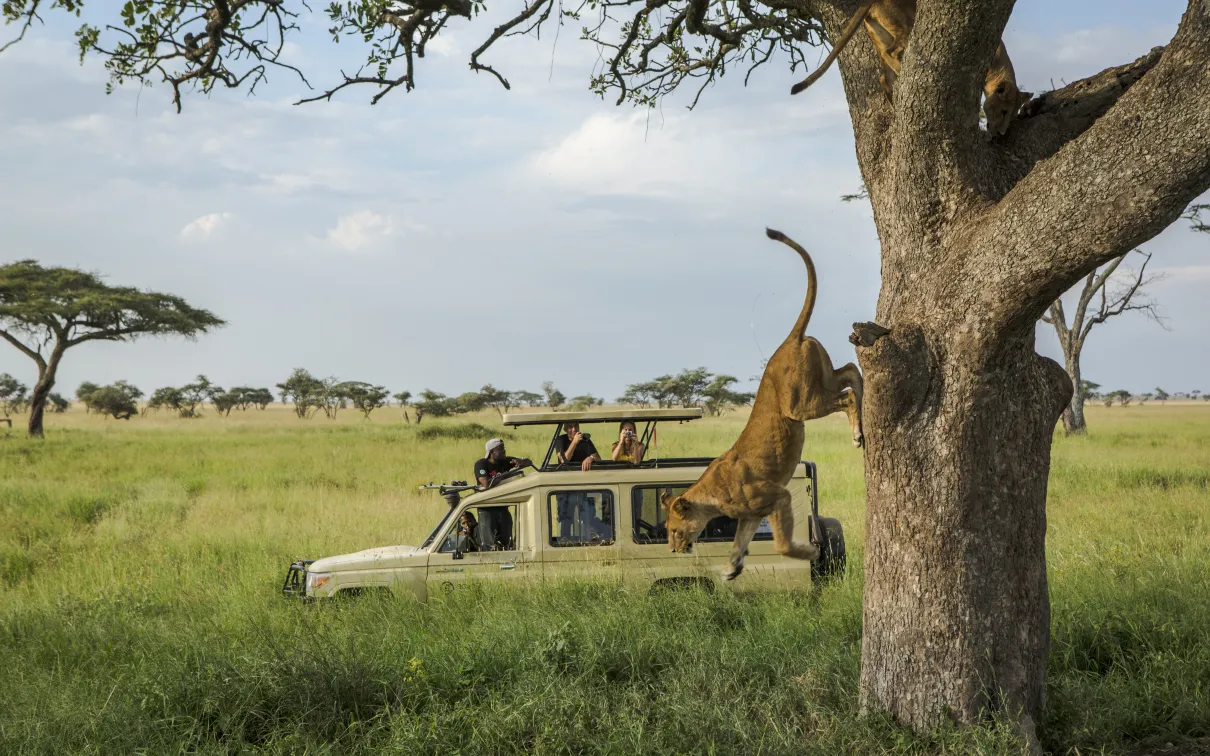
x,y
494,549
580,530
711,553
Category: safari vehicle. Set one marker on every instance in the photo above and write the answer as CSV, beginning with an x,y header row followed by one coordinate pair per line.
x,y
556,520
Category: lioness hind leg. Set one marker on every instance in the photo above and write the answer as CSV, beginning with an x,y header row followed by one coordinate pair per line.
x,y
782,522
744,532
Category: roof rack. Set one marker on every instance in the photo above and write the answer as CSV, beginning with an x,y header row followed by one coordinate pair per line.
x,y
515,419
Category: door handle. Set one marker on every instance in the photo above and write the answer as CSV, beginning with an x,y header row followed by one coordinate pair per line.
x,y
507,566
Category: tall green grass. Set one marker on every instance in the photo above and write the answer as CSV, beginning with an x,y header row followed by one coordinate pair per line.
x,y
140,565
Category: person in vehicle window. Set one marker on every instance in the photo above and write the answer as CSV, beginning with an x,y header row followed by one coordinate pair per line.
x,y
466,535
495,462
627,448
576,448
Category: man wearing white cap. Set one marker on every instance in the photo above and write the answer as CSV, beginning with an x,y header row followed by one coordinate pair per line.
x,y
495,461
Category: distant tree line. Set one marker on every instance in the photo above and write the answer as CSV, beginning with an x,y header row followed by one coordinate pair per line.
x,y
695,387
1124,398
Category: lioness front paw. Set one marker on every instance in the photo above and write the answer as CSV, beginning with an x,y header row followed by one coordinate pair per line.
x,y
733,573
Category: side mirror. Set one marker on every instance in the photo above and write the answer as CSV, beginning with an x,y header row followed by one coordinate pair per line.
x,y
457,554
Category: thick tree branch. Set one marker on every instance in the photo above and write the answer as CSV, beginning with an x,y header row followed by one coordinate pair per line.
x,y
1125,179
37,358
1053,119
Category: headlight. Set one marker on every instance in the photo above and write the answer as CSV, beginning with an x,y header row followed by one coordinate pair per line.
x,y
316,580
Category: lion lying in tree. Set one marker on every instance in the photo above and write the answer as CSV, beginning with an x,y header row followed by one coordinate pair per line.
x,y
889,24
748,481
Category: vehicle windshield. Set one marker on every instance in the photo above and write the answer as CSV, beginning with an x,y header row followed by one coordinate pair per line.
x,y
432,536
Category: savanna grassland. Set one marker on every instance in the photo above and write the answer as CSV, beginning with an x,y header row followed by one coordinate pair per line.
x,y
140,605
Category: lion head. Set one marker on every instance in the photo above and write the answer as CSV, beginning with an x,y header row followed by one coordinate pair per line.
x,y
1001,106
685,522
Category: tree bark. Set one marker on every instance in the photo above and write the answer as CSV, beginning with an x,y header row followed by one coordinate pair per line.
x,y
1073,418
46,381
956,612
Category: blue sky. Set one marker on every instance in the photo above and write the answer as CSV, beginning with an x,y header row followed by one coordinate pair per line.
x,y
462,234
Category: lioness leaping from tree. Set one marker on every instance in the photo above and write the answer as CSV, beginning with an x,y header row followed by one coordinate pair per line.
x,y
748,482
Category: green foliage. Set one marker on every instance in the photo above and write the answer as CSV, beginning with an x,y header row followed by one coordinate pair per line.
x,y
719,397
225,401
461,432
57,402
527,398
252,397
13,394
554,397
494,398
1161,395
365,397
187,400
82,393
404,398
436,404
38,302
304,390
119,400
689,388
583,402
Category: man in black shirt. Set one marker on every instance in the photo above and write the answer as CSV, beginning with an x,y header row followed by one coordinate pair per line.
x,y
495,462
574,447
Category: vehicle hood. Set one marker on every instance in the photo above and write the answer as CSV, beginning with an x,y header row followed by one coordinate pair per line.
x,y
383,557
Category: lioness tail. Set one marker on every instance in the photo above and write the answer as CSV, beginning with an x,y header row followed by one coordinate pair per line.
x,y
849,31
808,306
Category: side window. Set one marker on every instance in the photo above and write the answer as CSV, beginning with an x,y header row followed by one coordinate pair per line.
x,y
581,518
649,518
648,514
488,528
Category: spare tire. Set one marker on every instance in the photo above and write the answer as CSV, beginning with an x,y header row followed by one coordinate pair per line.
x,y
831,562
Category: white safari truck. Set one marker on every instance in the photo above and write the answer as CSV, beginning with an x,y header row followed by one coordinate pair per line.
x,y
554,520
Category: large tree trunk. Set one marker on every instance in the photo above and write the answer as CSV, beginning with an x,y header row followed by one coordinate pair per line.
x,y
46,382
979,237
957,617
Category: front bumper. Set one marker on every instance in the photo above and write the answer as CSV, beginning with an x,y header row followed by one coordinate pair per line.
x,y
296,579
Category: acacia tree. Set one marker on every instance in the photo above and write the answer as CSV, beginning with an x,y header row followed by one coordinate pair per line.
x,y
404,398
46,311
304,390
365,397
1123,298
13,395
554,397
979,236
719,396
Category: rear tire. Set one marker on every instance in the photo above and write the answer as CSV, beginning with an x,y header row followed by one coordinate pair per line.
x,y
832,560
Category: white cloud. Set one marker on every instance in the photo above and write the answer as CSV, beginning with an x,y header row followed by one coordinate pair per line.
x,y
289,183
1186,274
619,155
444,45
360,229
201,228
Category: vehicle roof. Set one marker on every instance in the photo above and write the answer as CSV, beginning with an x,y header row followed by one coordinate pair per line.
x,y
601,416
603,477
